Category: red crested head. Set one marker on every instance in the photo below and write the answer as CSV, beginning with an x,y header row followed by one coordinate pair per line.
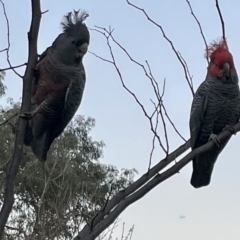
x,y
219,56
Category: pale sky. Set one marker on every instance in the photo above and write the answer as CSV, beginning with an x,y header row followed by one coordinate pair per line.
x,y
212,212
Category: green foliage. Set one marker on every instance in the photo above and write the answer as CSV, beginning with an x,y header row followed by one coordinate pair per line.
x,y
2,86
54,199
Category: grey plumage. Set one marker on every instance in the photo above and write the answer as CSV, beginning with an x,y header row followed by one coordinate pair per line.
x,y
216,104
58,85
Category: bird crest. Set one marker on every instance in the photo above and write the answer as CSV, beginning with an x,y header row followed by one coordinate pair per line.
x,y
218,50
72,19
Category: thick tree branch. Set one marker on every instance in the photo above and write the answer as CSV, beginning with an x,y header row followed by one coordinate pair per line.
x,y
21,124
144,184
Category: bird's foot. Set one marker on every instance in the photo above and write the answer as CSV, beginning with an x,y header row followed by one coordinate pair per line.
x,y
215,139
29,115
230,129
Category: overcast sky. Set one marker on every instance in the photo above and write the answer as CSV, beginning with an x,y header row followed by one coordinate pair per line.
x,y
212,212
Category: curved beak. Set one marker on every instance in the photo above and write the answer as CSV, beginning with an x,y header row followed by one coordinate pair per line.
x,y
226,67
83,49
227,72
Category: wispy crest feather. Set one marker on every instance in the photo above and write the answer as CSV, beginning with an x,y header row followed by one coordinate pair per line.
x,y
216,45
73,18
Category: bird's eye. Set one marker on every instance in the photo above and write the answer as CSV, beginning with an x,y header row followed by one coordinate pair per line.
x,y
73,42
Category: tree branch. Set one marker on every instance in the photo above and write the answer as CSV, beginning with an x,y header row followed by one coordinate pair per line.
x,y
168,40
115,206
200,27
12,67
3,50
146,183
21,124
8,39
108,35
222,22
7,120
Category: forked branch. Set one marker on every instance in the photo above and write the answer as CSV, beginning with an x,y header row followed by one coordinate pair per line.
x,y
16,158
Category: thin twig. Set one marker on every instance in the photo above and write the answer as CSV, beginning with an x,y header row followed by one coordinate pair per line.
x,y
168,40
151,153
3,50
154,83
222,21
6,121
123,231
131,230
187,69
45,12
12,228
129,235
200,27
105,60
8,40
12,67
108,34
173,125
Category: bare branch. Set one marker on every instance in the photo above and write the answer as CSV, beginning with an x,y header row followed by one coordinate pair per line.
x,y
45,12
108,34
155,84
6,121
200,27
152,150
168,40
16,158
8,40
171,122
222,22
12,67
105,60
3,50
123,231
144,184
187,69
12,228
131,232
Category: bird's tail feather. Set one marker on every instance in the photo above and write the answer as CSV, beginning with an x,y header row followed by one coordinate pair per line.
x,y
203,166
39,144
202,171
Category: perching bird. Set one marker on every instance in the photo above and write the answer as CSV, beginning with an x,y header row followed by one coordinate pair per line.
x,y
58,85
216,105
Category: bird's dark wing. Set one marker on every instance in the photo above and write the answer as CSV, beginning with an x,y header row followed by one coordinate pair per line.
x,y
73,99
198,110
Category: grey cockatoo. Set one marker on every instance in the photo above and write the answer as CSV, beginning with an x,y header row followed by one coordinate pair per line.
x,y
216,104
58,85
